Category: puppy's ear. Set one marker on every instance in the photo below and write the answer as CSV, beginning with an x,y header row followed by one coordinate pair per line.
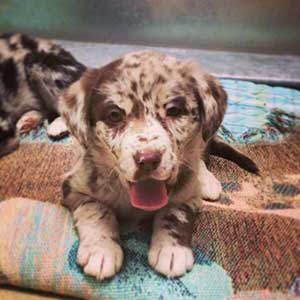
x,y
79,99
218,147
211,99
74,103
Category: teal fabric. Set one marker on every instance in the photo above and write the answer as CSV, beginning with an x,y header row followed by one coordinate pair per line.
x,y
258,112
137,280
40,135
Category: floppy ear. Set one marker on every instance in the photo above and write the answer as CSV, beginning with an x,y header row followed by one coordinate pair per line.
x,y
78,100
211,99
74,102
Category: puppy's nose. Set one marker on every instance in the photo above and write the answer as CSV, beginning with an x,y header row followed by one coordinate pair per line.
x,y
147,160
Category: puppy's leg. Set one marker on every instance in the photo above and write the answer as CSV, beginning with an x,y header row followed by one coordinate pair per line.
x,y
170,251
29,121
99,252
57,129
210,186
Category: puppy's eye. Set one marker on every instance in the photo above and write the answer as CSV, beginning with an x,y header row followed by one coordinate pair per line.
x,y
174,112
176,108
114,115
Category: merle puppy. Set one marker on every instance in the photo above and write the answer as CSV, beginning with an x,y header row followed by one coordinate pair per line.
x,y
143,124
33,72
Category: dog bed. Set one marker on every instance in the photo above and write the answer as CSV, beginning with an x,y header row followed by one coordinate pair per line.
x,y
247,245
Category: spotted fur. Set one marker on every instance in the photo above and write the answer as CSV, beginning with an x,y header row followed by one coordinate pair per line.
x,y
33,72
144,101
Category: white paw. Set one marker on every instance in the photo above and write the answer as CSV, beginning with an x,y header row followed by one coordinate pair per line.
x,y
57,129
171,260
211,187
102,259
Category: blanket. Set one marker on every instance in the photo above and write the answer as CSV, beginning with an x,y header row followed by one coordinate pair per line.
x,y
246,245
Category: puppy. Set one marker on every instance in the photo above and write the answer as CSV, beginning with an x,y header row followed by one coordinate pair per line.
x,y
143,124
33,72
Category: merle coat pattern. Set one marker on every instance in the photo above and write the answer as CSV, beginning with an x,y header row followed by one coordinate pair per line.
x,y
144,119
144,116
33,72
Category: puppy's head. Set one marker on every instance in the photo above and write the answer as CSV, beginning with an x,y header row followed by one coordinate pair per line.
x,y
146,115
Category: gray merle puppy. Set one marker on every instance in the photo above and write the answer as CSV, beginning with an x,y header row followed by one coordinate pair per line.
x,y
33,72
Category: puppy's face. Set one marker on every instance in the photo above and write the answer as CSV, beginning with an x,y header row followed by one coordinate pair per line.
x,y
145,114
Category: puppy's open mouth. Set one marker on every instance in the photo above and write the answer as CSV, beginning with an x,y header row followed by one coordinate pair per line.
x,y
149,194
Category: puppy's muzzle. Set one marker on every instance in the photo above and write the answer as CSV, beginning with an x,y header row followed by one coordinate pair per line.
x,y
146,192
146,162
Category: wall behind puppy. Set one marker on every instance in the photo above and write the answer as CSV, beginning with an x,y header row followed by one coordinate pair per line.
x,y
265,26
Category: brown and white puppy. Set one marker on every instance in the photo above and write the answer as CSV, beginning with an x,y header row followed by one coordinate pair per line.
x,y
143,123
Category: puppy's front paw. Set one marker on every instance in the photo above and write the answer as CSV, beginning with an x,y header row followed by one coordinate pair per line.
x,y
211,188
171,260
102,259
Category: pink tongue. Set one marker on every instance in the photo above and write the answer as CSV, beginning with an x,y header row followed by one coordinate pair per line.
x,y
149,194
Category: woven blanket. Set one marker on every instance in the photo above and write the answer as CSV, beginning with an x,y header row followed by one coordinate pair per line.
x,y
246,245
